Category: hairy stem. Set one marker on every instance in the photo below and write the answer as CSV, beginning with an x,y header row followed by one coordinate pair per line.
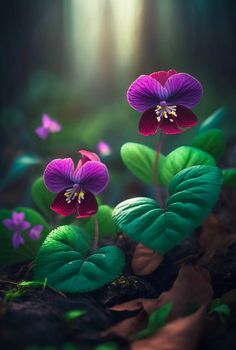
x,y
155,172
96,236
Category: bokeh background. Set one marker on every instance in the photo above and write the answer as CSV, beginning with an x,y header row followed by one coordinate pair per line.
x,y
74,60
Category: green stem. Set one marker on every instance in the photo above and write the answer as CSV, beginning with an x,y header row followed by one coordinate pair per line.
x,y
96,236
155,172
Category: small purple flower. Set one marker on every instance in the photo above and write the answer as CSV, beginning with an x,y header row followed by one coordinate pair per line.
x,y
17,224
166,99
103,148
35,232
76,187
48,126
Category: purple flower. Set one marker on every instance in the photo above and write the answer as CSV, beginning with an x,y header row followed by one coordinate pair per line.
x,y
76,187
17,224
48,126
166,99
103,148
35,232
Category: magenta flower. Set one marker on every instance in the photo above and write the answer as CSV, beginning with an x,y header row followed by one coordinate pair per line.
x,y
76,187
17,224
166,99
103,148
48,126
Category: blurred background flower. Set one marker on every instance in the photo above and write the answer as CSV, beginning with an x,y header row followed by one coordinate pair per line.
x,y
75,59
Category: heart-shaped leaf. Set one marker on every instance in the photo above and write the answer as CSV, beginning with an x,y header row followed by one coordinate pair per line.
x,y
140,160
193,192
229,177
41,196
66,260
211,141
181,158
214,120
105,222
27,251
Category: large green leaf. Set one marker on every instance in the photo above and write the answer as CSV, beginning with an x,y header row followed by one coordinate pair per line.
x,y
66,260
105,222
229,177
181,158
211,141
214,120
41,196
193,192
26,252
140,159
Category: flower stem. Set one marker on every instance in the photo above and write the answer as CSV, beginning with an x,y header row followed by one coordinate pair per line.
x,y
155,172
96,236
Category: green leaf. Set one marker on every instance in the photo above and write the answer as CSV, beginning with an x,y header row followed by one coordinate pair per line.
x,y
42,197
193,192
66,260
107,346
73,314
140,159
156,320
105,222
181,158
220,308
229,177
211,141
214,120
18,168
27,251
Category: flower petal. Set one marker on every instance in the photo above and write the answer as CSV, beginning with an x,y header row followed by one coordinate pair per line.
x,y
18,217
92,177
54,126
183,89
61,207
35,232
185,117
59,174
24,226
46,121
145,92
168,127
87,156
17,240
9,223
88,206
148,123
42,132
162,75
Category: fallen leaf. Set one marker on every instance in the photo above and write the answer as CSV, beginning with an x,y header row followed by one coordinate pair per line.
x,y
191,289
126,328
181,334
213,238
145,260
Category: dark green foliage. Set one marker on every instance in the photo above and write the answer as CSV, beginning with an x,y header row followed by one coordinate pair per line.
x,y
211,141
69,265
229,177
192,194
214,120
41,196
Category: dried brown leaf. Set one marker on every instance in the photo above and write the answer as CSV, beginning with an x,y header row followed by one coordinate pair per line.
x,y
126,328
181,334
145,260
214,239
